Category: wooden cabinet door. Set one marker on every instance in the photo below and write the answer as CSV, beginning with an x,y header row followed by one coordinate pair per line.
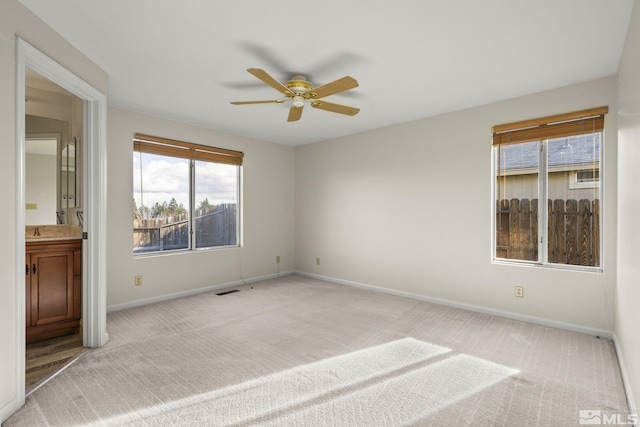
x,y
51,287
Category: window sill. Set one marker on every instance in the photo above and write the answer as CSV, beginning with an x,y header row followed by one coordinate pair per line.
x,y
565,267
183,251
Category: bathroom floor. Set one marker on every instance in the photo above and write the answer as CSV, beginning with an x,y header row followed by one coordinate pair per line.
x,y
44,358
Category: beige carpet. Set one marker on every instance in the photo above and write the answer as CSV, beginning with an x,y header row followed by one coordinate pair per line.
x,y
296,351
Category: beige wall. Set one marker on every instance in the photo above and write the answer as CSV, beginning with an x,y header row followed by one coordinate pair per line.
x,y
628,283
17,20
408,208
267,204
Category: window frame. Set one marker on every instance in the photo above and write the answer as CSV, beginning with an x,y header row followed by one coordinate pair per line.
x,y
528,127
146,144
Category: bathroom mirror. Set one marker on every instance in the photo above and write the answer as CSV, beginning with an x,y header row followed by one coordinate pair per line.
x,y
53,123
41,177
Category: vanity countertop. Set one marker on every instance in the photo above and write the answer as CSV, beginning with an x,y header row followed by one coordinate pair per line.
x,y
40,233
50,239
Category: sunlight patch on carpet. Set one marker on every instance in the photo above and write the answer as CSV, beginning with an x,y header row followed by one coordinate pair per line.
x,y
390,384
291,388
407,398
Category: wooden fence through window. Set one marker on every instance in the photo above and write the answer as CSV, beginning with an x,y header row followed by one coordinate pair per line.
x,y
215,226
573,229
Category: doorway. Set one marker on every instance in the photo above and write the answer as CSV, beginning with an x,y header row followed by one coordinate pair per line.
x,y
53,182
92,193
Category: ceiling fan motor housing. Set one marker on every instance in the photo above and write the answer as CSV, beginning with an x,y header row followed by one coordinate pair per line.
x,y
298,84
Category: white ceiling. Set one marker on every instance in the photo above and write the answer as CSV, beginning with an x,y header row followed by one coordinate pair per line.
x,y
186,60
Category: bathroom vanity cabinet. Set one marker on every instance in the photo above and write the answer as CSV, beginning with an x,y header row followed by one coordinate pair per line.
x,y
53,288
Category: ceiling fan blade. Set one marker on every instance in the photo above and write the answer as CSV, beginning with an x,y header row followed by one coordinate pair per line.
x,y
266,56
265,77
275,101
335,108
294,114
334,87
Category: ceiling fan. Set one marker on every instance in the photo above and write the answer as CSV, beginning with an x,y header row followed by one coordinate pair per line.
x,y
299,91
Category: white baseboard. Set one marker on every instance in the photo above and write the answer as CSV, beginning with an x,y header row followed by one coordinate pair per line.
x,y
475,308
11,408
165,297
625,378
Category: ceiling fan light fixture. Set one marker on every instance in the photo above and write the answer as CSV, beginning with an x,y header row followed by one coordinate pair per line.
x,y
298,101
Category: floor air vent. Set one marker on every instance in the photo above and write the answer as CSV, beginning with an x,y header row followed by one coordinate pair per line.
x,y
228,292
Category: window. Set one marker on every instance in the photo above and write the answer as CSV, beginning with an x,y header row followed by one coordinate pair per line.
x,y
556,159
185,196
585,179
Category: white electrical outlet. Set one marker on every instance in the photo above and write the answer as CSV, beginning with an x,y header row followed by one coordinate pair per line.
x,y
519,291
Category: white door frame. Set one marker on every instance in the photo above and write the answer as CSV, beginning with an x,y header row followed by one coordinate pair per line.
x,y
94,305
